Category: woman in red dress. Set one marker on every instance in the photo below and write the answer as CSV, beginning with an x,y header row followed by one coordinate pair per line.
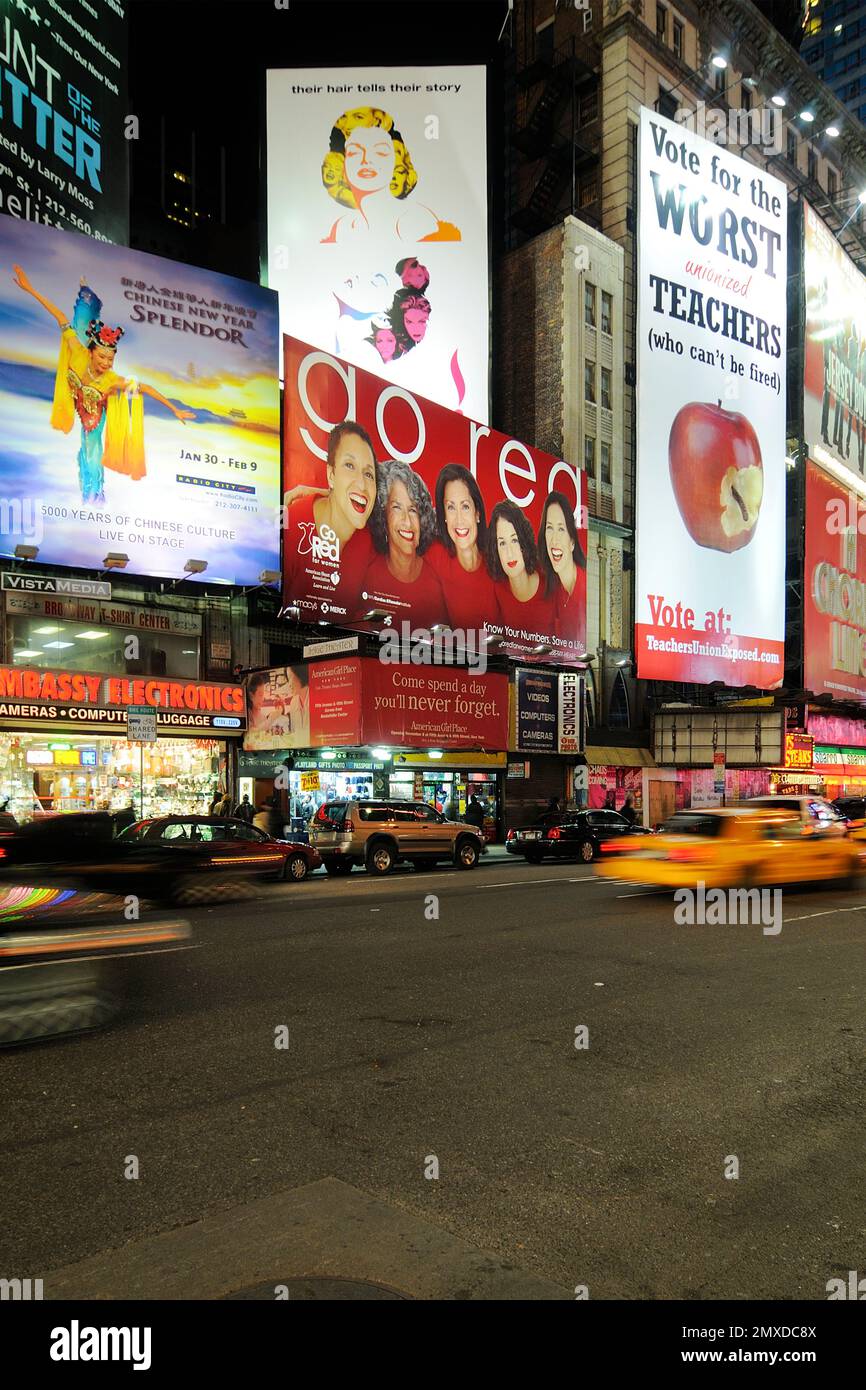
x,y
563,564
513,560
458,555
403,525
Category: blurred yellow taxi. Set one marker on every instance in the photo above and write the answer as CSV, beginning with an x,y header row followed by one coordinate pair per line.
x,y
733,848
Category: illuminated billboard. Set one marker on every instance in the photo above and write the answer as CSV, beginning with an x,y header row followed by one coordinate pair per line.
x,y
63,115
377,222
834,589
398,511
140,409
834,387
712,273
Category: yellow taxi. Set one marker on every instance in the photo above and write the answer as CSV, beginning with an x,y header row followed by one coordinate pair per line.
x,y
737,847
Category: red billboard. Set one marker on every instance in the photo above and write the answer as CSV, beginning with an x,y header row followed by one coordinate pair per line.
x,y
399,510
439,708
834,589
356,701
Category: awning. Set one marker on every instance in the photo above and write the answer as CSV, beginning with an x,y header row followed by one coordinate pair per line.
x,y
599,756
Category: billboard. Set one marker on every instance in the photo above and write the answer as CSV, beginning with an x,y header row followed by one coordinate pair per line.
x,y
377,221
63,108
712,272
359,701
99,702
140,408
834,388
834,589
426,517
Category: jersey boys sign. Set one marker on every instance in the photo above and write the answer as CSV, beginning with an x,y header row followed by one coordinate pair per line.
x,y
414,513
712,267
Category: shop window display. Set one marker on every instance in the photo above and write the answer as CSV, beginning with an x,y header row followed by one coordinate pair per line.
x,y
40,773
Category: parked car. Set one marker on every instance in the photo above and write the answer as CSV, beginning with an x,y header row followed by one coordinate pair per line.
x,y
851,808
380,834
569,835
79,849
737,847
230,841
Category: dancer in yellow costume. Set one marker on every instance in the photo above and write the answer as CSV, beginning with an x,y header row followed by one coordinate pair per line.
x,y
109,406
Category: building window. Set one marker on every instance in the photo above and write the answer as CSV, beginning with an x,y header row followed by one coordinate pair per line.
x,y
605,462
745,97
589,382
606,401
721,81
832,183
812,164
589,456
589,304
588,190
588,107
678,38
606,312
661,24
667,104
791,146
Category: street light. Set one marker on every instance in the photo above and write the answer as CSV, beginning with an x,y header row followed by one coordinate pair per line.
x,y
26,552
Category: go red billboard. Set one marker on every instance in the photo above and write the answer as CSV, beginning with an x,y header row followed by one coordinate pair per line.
x,y
834,588
399,510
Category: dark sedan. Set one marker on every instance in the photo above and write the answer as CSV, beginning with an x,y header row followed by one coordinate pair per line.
x,y
230,842
569,835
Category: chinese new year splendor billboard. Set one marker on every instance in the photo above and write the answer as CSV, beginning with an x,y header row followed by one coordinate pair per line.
x,y
399,510
359,700
712,272
140,409
377,221
834,589
834,392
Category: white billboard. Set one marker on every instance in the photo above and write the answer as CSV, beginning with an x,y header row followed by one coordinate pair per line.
x,y
377,222
712,274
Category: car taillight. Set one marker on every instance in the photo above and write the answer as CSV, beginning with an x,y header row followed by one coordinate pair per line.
x,y
554,833
349,827
683,854
2,852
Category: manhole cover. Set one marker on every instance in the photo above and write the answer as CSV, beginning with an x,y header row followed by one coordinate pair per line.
x,y
317,1287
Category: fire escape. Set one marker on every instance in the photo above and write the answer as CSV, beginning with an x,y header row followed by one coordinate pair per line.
x,y
557,133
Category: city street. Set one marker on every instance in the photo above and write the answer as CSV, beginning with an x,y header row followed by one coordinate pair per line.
x,y
412,1035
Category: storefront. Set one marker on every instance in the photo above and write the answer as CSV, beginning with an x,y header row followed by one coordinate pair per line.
x,y
63,743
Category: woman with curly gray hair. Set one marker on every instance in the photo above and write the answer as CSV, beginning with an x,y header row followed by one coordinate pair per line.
x,y
402,526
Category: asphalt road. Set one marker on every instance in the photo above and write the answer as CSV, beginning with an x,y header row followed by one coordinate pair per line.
x,y
412,1035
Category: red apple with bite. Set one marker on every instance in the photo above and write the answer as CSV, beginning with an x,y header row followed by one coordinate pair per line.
x,y
717,475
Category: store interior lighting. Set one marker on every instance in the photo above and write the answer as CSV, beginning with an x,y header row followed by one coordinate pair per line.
x,y
381,753
47,631
92,636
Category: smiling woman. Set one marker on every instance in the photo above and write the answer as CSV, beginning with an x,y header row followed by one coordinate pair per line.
x,y
403,526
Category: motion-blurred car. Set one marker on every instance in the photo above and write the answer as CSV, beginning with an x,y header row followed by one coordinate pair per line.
x,y
814,812
70,958
230,841
739,847
569,835
79,849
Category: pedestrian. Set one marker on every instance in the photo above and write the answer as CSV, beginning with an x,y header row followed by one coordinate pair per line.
x,y
628,810
553,806
245,810
268,818
474,813
215,801
610,801
223,806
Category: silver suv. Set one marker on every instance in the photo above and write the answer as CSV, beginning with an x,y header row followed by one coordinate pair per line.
x,y
379,834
